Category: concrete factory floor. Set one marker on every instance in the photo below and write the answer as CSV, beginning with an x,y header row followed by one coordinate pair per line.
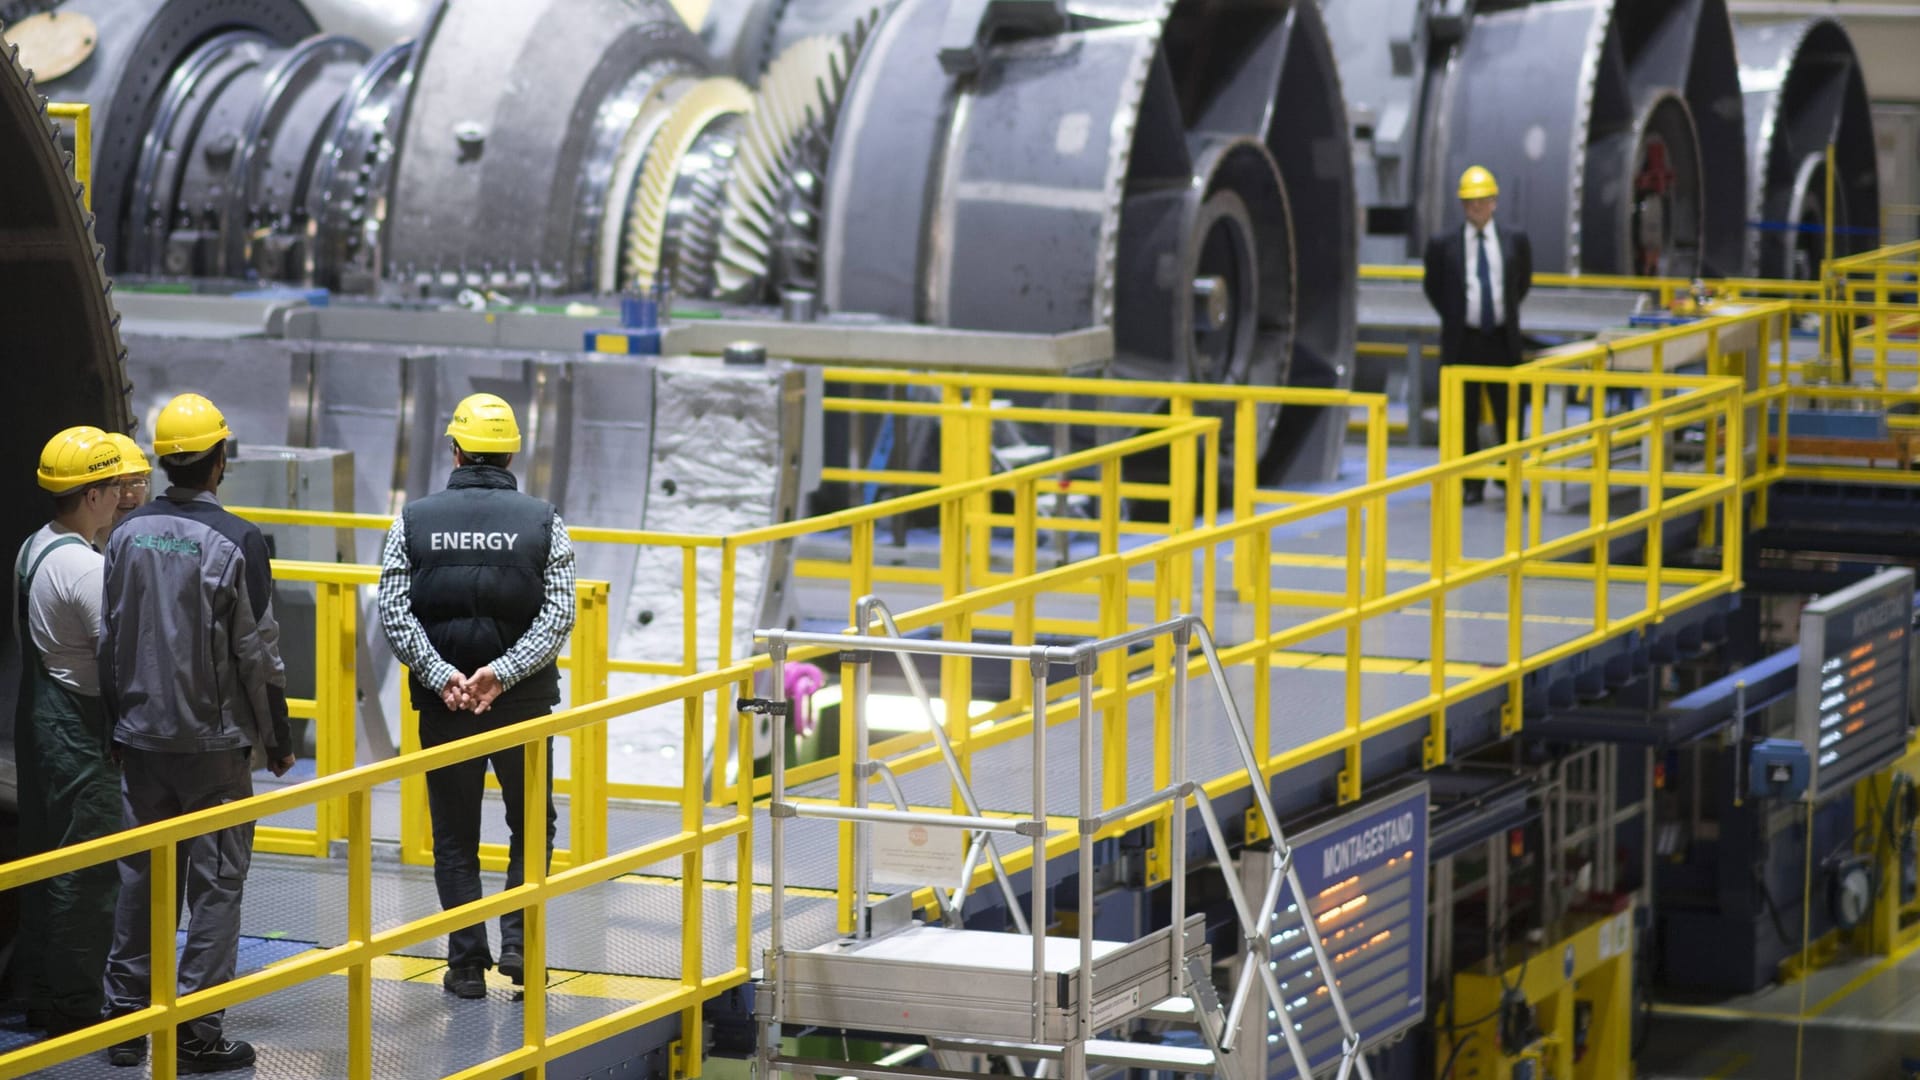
x,y
1861,1020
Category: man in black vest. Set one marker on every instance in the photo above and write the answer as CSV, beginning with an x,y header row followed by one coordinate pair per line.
x,y
476,598
1476,278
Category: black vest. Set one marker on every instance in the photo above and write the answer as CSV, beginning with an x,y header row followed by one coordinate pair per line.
x,y
479,555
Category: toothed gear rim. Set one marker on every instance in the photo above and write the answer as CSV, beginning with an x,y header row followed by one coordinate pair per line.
x,y
771,222
707,103
62,344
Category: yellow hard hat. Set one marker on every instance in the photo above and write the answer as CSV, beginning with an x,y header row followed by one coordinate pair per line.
x,y
189,425
1477,183
77,457
484,424
133,460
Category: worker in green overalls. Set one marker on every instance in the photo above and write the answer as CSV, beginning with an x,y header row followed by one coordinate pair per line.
x,y
69,784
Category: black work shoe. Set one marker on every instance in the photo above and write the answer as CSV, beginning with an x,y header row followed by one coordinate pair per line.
x,y
220,1055
512,965
1472,496
465,982
131,1052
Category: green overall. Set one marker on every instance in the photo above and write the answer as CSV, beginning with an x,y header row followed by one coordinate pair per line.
x,y
69,793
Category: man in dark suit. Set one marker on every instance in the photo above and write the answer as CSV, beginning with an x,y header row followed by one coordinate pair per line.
x,y
1479,320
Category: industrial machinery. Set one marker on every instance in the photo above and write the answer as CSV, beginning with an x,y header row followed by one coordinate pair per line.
x,y
1195,203
1611,125
1614,130
56,301
1803,91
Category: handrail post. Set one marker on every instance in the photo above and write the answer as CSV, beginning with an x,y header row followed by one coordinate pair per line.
x,y
359,932
1377,512
1515,551
587,807
416,844
1245,418
536,772
335,698
1350,773
1656,502
723,646
1443,521
163,975
1026,558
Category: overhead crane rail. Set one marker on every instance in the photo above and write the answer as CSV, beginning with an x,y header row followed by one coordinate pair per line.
x,y
1738,399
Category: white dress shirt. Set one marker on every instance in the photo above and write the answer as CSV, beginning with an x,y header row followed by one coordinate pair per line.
x,y
1494,268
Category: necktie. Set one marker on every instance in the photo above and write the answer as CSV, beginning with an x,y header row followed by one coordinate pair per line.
x,y
1486,285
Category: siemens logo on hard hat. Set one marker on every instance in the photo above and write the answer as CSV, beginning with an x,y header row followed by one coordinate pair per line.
x,y
1372,843
471,541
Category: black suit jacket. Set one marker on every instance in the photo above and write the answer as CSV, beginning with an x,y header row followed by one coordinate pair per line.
x,y
1446,285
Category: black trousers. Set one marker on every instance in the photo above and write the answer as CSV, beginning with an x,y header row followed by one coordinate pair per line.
x,y
454,797
1482,349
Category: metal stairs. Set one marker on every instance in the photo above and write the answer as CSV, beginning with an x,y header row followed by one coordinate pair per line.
x,y
1025,1002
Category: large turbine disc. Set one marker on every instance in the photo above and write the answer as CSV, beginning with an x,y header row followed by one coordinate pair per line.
x,y
1614,129
61,349
1804,89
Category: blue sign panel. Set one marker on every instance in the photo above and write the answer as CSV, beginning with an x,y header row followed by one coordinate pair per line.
x,y
1364,876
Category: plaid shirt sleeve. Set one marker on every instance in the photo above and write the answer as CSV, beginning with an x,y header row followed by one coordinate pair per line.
x,y
543,641
404,632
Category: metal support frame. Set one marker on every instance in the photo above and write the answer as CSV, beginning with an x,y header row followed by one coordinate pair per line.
x,y
1172,972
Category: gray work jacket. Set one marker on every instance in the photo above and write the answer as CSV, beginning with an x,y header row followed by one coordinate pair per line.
x,y
190,656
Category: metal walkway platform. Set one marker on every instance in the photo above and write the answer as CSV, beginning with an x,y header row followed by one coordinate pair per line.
x,y
617,944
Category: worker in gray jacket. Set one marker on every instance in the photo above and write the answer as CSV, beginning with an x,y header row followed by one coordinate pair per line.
x,y
190,667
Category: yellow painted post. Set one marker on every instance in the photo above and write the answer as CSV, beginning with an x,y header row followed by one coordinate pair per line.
x,y
533,840
163,973
1113,683
729,558
860,570
1209,517
1510,717
1261,550
1443,522
1245,416
1733,549
1350,774
956,672
82,117
1182,461
1598,511
978,457
359,932
1656,503
1446,497
335,702
588,804
1026,554
416,843
1882,326
1165,661
1110,507
693,863
1377,511
743,844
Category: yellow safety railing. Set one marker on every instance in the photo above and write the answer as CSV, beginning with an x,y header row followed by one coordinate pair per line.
x,y
1737,401
966,408
334,709
1667,290
364,945
82,116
